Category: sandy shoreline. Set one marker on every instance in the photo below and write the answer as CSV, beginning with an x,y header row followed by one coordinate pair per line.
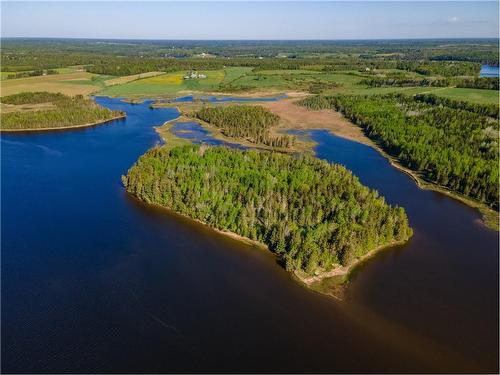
x,y
304,279
344,270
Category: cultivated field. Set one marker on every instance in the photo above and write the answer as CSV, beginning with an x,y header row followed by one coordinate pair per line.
x,y
471,95
127,79
67,83
167,84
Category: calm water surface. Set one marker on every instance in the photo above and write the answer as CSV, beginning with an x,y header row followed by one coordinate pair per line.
x,y
94,281
489,71
198,134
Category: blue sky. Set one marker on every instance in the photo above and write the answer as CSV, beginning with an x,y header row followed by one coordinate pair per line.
x,y
250,20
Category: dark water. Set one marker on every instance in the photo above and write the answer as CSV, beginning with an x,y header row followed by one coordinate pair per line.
x,y
94,281
489,71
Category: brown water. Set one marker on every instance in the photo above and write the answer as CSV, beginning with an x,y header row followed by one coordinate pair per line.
x,y
94,281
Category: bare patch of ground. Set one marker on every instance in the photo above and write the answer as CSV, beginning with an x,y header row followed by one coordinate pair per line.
x,y
294,116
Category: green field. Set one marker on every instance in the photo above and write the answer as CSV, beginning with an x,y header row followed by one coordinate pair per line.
x,y
71,81
167,84
233,73
288,71
470,95
4,75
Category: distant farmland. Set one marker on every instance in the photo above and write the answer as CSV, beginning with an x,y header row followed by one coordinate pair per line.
x,y
67,83
169,83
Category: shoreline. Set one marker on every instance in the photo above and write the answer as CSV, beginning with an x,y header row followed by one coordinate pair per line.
x,y
164,129
489,217
101,122
220,94
345,270
298,276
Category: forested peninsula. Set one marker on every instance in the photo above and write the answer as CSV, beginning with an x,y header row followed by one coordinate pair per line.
x,y
47,111
315,216
449,143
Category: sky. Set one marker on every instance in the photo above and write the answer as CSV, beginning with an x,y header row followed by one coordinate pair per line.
x,y
250,19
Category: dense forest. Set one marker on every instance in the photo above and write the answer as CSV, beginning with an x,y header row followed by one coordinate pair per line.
x,y
491,110
473,83
448,144
312,214
245,121
440,68
444,58
67,111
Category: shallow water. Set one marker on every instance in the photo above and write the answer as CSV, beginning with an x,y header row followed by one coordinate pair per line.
x,y
94,281
197,134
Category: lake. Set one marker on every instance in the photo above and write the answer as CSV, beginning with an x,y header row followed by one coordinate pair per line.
x,y
489,71
95,281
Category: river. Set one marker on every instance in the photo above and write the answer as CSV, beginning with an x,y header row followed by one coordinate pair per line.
x,y
94,281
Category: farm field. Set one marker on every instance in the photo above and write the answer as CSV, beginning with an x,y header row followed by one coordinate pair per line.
x,y
68,69
127,79
233,73
75,83
472,95
167,84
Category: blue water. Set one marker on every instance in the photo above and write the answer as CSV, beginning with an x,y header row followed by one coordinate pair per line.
x,y
224,99
489,71
94,281
451,263
197,134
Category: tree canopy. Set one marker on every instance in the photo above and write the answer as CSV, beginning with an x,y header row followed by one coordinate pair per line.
x,y
66,111
314,215
245,121
448,142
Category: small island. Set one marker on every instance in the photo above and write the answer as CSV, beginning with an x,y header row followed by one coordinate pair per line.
x,y
248,122
315,216
34,111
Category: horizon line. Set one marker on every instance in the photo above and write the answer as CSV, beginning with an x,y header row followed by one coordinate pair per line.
x,y
256,40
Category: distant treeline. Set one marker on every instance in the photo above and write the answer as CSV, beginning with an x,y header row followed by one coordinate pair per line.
x,y
312,214
479,50
476,83
448,142
117,59
33,73
245,121
441,68
67,111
